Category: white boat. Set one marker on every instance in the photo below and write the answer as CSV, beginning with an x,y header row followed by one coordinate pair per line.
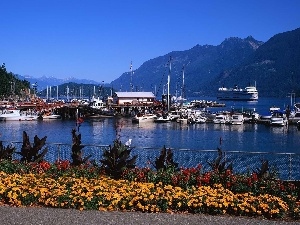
x,y
163,119
182,120
250,116
174,115
265,117
97,103
297,107
221,119
278,119
237,119
200,119
249,93
295,118
142,118
17,115
51,117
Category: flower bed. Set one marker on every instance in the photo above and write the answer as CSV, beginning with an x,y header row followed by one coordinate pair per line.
x,y
86,187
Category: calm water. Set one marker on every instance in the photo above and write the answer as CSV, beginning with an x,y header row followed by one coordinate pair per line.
x,y
247,137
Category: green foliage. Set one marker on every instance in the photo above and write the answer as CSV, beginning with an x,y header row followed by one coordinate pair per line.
x,y
6,152
116,159
165,160
219,164
31,153
76,149
10,167
10,85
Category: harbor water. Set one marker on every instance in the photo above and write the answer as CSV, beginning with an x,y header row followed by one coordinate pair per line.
x,y
208,136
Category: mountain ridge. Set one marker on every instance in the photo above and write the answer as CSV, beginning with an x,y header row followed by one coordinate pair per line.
x,y
273,65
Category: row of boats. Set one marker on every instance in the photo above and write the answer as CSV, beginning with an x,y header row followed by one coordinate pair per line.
x,y
21,115
275,117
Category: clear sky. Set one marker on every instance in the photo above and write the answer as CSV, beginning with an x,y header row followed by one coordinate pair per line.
x,y
97,39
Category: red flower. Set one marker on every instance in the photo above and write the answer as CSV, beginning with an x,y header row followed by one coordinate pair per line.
x,y
254,177
228,172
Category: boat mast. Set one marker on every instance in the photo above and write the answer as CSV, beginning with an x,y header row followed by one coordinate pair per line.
x,y
168,94
131,76
182,83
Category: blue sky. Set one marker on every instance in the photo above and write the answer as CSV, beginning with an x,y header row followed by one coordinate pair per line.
x,y
97,39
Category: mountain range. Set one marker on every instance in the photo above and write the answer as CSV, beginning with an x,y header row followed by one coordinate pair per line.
x,y
273,66
44,81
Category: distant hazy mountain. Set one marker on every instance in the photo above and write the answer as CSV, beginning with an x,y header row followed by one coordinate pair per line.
x,y
274,67
44,81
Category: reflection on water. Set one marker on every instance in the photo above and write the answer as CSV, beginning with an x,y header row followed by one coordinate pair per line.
x,y
246,137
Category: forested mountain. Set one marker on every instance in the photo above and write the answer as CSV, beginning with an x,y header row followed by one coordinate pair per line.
x,y
274,66
10,85
201,64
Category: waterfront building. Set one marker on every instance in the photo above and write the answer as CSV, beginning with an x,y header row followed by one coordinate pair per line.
x,y
133,98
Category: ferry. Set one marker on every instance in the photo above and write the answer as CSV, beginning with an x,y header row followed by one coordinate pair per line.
x,y
249,93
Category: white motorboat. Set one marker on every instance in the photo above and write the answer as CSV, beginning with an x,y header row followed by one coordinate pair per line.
x,y
142,118
295,118
278,119
236,119
200,119
182,120
163,119
266,116
17,115
174,115
221,119
250,116
51,117
97,103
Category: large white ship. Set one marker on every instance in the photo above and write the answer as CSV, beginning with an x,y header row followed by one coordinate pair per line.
x,y
249,93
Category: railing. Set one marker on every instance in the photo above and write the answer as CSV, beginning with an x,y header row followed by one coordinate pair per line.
x,y
286,164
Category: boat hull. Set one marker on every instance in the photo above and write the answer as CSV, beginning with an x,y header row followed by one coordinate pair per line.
x,y
144,118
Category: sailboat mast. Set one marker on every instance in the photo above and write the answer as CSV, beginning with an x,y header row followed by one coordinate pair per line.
x,y
182,83
131,76
168,94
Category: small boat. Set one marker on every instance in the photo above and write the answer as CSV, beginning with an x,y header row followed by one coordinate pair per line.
x,y
236,119
17,115
278,119
182,120
142,118
174,115
200,119
51,117
295,118
265,117
163,119
250,116
221,119
298,125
